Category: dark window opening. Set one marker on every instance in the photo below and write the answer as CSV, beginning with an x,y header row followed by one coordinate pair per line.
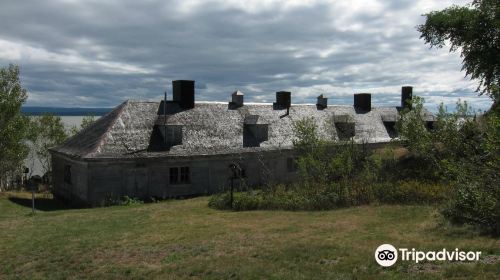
x,y
254,134
291,164
254,131
67,174
345,130
172,134
391,129
179,175
184,175
174,175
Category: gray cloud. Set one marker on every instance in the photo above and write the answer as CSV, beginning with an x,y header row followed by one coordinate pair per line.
x,y
89,53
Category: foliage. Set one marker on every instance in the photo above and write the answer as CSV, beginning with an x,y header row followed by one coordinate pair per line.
x,y
461,151
323,161
412,192
47,131
129,201
13,125
455,161
474,169
473,30
86,122
412,129
306,134
465,151
474,204
332,196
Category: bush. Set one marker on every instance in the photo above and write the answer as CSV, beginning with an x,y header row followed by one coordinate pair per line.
x,y
458,151
475,205
331,196
411,192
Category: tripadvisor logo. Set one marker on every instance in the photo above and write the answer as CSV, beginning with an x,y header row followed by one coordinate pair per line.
x,y
387,255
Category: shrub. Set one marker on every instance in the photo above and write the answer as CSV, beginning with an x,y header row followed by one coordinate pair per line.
x,y
128,201
411,192
475,205
331,196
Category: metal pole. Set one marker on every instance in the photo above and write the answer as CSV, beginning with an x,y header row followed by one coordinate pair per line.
x,y
33,200
165,117
231,197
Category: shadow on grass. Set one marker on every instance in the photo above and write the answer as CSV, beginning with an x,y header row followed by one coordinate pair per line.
x,y
41,204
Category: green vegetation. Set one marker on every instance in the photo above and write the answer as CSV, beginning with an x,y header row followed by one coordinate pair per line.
x,y
463,152
86,122
13,126
186,239
46,131
19,133
455,163
332,196
468,155
474,30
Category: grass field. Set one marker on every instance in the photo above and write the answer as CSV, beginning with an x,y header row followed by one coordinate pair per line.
x,y
186,239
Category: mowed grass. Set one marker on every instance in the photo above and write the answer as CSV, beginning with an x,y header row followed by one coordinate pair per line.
x,y
186,239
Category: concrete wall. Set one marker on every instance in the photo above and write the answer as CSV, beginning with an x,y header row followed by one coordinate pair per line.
x,y
97,182
74,190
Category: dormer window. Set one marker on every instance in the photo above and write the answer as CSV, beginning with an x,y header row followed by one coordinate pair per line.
x,y
345,127
254,132
172,134
389,121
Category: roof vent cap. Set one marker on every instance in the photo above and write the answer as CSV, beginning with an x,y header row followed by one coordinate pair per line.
x,y
236,100
322,102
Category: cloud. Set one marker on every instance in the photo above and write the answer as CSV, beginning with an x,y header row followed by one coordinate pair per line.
x,y
95,53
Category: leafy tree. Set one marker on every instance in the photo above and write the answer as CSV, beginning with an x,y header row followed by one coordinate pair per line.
x,y
13,125
86,122
412,129
48,131
461,151
474,30
323,161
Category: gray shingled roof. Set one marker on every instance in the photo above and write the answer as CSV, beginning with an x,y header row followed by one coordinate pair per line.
x,y
212,128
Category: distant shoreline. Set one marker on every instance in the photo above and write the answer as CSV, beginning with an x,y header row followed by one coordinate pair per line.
x,y
63,111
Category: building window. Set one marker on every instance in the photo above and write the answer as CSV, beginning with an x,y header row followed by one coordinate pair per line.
x,y
179,175
291,164
67,174
184,175
254,131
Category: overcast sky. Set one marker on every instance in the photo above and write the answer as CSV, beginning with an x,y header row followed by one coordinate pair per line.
x,y
100,53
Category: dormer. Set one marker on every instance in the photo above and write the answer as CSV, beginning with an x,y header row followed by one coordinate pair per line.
x,y
345,126
389,121
254,131
171,134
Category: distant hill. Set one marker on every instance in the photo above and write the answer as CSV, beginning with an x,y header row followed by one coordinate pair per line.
x,y
60,111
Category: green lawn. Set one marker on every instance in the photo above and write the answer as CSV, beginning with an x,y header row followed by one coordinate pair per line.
x,y
186,239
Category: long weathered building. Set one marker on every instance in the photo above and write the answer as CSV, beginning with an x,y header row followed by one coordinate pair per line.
x,y
181,147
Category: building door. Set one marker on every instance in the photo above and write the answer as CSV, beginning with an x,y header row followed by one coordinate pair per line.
x,y
137,183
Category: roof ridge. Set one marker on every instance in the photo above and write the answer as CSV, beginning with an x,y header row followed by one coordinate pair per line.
x,y
102,139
